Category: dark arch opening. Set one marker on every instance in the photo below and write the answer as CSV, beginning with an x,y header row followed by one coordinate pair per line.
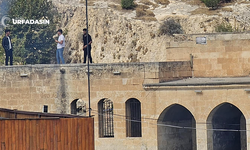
x,y
73,106
229,117
133,118
78,107
170,138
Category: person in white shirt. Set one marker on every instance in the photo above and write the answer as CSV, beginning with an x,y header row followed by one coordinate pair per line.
x,y
60,47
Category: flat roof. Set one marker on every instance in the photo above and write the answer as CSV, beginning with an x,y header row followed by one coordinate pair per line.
x,y
203,82
39,114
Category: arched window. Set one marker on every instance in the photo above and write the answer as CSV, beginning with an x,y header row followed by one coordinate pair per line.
x,y
105,113
78,107
174,138
133,118
228,117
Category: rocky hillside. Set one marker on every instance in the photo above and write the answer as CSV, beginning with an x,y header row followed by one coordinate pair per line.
x,y
132,35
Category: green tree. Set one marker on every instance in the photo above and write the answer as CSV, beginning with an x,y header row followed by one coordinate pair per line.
x,y
170,27
33,44
211,3
127,4
2,53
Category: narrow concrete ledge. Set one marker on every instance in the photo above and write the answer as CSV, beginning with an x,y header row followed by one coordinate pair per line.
x,y
204,82
162,71
214,36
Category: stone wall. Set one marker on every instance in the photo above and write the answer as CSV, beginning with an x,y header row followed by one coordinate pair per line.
x,y
174,70
30,87
224,55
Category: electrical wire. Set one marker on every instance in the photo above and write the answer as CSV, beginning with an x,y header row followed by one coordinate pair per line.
x,y
157,120
172,126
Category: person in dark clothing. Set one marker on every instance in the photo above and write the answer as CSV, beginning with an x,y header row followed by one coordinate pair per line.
x,y
7,45
87,46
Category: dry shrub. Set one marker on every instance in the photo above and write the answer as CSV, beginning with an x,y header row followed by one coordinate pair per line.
x,y
116,7
142,7
113,1
142,12
163,2
147,2
145,18
152,35
227,9
194,2
208,12
149,13
224,27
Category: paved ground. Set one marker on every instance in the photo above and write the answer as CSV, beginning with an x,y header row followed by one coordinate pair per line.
x,y
204,81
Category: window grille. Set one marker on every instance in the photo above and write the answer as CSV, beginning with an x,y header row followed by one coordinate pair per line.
x,y
106,126
133,118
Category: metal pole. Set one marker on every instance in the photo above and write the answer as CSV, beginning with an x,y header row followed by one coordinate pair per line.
x,y
88,55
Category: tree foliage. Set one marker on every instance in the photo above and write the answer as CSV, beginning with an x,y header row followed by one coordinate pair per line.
x,y
33,43
2,53
211,3
127,4
170,27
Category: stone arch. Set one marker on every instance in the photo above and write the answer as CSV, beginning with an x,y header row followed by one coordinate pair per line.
x,y
229,117
78,107
172,138
133,118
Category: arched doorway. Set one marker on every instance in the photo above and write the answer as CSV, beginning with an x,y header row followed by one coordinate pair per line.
x,y
223,123
173,138
78,107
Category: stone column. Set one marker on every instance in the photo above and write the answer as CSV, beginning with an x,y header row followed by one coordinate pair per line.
x,y
201,136
248,133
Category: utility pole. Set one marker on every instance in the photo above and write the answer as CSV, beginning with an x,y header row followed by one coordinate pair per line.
x,y
87,27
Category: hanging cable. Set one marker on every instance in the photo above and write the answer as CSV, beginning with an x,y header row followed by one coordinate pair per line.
x,y
172,126
157,120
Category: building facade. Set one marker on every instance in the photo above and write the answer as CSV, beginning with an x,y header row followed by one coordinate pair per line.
x,y
197,100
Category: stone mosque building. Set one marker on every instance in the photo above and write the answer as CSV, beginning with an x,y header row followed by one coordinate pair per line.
x,y
197,100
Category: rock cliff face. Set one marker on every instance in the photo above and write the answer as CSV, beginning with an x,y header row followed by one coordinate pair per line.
x,y
122,36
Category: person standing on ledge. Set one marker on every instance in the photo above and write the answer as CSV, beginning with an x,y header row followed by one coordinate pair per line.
x,y
7,45
87,46
60,47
